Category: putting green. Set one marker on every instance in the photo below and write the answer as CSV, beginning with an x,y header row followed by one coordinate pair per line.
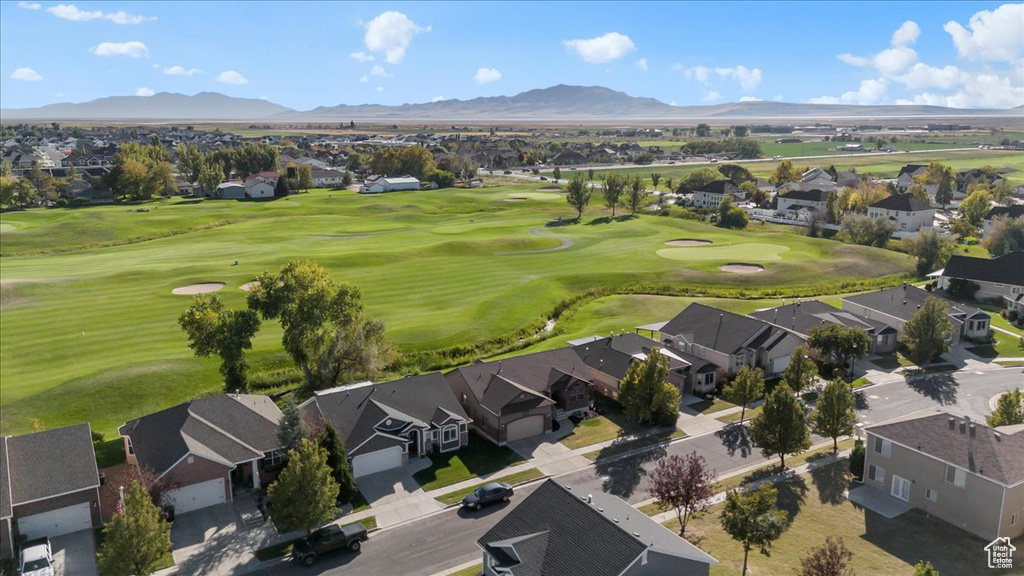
x,y
536,195
753,251
6,227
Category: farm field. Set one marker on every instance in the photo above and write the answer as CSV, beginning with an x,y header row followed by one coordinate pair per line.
x,y
88,310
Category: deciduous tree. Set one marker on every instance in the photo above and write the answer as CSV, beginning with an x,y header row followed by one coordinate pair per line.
x,y
785,172
136,539
1005,235
927,332
644,393
614,186
637,193
305,172
578,194
556,174
1009,409
746,387
214,329
839,344
833,413
781,427
931,249
975,206
211,175
655,179
735,172
683,483
801,373
751,518
303,496
924,568
830,559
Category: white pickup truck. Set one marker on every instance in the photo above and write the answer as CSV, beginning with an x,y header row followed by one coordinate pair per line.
x,y
36,558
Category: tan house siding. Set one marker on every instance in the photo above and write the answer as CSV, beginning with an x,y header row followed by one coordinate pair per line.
x,y
199,470
1014,504
502,433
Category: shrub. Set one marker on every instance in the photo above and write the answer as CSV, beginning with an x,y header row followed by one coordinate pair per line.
x,y
857,461
961,288
97,437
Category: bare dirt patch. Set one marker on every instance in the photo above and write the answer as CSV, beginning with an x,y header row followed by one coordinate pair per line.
x,y
688,242
740,268
248,286
201,288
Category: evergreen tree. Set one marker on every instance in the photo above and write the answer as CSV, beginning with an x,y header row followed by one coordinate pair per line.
x,y
291,429
136,539
303,496
781,427
337,461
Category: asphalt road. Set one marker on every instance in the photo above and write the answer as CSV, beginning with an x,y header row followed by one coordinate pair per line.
x,y
448,539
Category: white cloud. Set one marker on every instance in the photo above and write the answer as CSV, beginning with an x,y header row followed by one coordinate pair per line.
x,y
993,35
437,99
155,65
749,99
607,48
379,72
180,71
231,77
672,103
924,76
144,92
380,88
30,5
824,100
854,60
73,13
871,91
391,33
361,57
642,64
26,75
130,49
364,78
711,96
977,91
698,73
486,75
748,79
894,60
58,95
907,33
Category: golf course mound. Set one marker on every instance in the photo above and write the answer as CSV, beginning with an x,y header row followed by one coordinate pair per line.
x,y
516,199
741,268
248,286
682,242
756,251
201,288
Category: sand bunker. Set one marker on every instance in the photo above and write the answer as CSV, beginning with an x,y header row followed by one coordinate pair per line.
x,y
549,189
248,286
687,242
516,199
202,288
740,268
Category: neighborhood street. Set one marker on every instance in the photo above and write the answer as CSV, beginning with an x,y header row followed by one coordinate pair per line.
x,y
447,539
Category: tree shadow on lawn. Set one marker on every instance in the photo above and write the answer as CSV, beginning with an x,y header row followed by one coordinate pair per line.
x,y
735,437
609,219
939,387
830,481
561,222
792,493
623,475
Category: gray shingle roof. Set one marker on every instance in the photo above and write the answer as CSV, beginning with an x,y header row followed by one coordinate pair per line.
x,y
806,195
801,317
902,203
555,532
49,463
1015,211
5,482
614,355
1006,269
904,302
714,328
541,372
993,455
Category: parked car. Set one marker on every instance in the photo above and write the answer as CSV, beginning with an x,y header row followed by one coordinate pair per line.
x,y
36,558
543,177
488,494
328,539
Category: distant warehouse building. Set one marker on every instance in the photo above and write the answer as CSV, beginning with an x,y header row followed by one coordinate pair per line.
x,y
377,184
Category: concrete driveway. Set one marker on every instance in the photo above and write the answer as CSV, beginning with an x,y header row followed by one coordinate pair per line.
x,y
74,554
548,453
395,496
214,540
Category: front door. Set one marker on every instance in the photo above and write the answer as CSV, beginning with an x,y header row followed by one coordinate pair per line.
x,y
900,488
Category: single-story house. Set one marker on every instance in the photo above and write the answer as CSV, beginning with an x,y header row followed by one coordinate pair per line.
x,y
801,317
261,185
728,340
377,184
895,306
906,211
611,357
1015,211
49,485
522,396
563,530
231,191
963,472
999,278
205,449
382,424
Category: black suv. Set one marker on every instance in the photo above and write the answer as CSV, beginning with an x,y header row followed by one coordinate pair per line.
x,y
329,538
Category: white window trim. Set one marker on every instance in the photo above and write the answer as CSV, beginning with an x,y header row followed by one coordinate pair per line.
x,y
455,434
959,474
879,471
886,447
931,495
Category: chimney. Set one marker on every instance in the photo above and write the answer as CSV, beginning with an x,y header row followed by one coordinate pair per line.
x,y
973,428
590,498
963,427
952,423
997,436
499,366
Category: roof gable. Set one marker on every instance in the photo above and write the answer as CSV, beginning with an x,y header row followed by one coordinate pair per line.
x,y
1006,269
46,464
713,328
902,203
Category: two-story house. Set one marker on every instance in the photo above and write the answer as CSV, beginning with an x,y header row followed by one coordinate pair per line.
x,y
521,397
906,211
999,278
611,357
261,185
895,306
907,173
1015,211
728,340
713,194
795,202
963,472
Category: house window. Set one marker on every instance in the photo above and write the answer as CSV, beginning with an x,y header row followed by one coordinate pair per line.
x,y
1015,290
931,495
955,476
876,473
1014,519
450,434
273,460
883,447
578,393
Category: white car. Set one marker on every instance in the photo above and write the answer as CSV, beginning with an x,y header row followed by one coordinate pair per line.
x,y
36,558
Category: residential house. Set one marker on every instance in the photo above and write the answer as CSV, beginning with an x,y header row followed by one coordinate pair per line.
x,y
49,485
1014,211
560,530
799,203
801,318
377,184
382,424
328,178
907,173
906,211
261,185
205,449
713,194
728,340
999,278
895,306
522,396
231,190
611,357
963,472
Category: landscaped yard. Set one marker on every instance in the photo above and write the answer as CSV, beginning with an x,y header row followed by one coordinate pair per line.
x,y
513,479
716,404
471,571
735,416
1005,346
816,508
623,447
611,424
480,457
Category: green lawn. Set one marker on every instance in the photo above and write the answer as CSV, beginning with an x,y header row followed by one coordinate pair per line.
x,y
623,447
879,545
1005,346
513,479
471,571
611,424
716,404
860,382
735,416
88,310
109,453
480,457
359,503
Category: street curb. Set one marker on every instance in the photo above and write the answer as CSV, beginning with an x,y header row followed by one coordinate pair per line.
x,y
531,481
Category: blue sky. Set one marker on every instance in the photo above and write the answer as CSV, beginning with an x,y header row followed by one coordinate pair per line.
x,y
308,54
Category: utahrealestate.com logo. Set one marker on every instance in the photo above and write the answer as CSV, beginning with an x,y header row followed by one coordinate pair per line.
x,y
1000,553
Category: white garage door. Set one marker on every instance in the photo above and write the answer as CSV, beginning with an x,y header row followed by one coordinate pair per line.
x,y
377,461
56,522
196,496
524,428
779,364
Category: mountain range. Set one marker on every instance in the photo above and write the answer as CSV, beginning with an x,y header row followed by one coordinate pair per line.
x,y
556,103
